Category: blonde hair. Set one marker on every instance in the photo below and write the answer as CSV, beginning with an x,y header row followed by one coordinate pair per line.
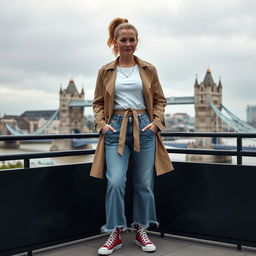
x,y
115,26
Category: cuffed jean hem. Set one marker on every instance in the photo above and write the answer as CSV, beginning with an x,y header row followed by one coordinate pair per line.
x,y
106,230
134,224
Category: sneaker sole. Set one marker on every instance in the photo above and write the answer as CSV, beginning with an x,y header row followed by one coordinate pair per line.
x,y
144,248
110,251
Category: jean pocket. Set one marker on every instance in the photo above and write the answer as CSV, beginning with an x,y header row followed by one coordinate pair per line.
x,y
107,132
151,131
148,132
114,122
144,121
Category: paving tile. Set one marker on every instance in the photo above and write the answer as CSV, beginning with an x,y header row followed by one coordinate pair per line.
x,y
168,246
96,243
250,251
206,250
87,247
164,245
75,249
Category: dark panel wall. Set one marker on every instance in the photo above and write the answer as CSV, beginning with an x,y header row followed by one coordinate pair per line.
x,y
208,200
42,205
51,205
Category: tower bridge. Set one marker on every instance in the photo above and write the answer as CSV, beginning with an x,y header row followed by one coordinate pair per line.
x,y
207,100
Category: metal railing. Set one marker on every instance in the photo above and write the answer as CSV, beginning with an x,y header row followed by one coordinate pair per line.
x,y
238,152
175,185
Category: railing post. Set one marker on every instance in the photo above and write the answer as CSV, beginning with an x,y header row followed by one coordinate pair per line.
x,y
30,253
26,163
239,247
239,149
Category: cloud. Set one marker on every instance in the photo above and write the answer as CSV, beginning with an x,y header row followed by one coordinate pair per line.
x,y
44,44
15,101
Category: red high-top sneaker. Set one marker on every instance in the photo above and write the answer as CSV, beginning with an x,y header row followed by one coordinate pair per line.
x,y
143,241
114,242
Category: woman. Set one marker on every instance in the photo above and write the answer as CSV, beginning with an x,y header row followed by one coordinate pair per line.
x,y
129,114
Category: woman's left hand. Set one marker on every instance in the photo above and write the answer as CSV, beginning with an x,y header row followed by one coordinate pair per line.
x,y
152,127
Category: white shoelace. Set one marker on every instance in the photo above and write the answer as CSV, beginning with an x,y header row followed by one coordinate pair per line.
x,y
143,235
111,239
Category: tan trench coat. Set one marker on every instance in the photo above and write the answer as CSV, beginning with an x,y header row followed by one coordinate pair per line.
x,y
103,108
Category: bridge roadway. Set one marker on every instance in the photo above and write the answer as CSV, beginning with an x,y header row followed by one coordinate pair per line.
x,y
232,120
167,246
216,146
169,101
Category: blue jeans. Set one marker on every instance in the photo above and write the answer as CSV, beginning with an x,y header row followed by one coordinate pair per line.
x,y
144,211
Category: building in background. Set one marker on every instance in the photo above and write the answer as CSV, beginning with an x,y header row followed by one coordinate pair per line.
x,y
7,119
29,121
251,115
32,120
179,122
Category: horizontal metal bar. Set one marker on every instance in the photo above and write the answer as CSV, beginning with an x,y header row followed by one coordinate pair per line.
x,y
96,135
208,134
47,154
212,152
248,153
203,151
92,151
48,136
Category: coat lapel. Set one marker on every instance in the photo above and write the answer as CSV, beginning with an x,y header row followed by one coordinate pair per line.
x,y
110,77
110,82
145,79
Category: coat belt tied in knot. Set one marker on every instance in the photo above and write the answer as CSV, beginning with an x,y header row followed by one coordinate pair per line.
x,y
136,130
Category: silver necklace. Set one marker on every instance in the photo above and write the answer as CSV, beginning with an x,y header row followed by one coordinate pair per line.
x,y
120,70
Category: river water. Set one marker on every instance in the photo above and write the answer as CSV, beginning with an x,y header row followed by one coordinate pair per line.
x,y
44,147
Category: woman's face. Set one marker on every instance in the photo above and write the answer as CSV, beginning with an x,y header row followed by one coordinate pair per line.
x,y
126,42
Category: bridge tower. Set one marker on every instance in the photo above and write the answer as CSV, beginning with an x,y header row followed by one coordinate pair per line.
x,y
207,93
71,109
71,115
206,120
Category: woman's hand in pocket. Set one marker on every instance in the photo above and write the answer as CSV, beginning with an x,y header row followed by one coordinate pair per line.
x,y
106,128
152,127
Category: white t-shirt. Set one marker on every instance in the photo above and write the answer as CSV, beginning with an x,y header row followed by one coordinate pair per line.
x,y
128,89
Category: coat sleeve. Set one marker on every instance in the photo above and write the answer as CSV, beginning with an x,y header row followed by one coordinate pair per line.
x,y
98,103
159,102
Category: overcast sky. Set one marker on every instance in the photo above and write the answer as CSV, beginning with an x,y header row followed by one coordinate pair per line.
x,y
45,43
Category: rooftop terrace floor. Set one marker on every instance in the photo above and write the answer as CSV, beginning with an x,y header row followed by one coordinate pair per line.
x,y
167,246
